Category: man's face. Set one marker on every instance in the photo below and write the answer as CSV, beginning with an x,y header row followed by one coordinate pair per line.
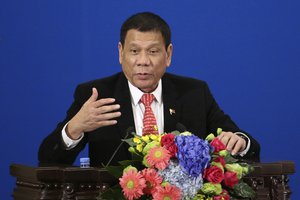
x,y
144,58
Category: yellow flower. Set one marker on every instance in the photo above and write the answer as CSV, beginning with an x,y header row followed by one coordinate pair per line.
x,y
136,140
139,147
153,137
146,138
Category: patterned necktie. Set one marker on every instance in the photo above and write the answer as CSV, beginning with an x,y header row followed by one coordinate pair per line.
x,y
150,126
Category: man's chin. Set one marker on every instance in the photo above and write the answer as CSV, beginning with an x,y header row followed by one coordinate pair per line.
x,y
146,88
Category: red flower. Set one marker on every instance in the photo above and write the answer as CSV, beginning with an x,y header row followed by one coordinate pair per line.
x,y
220,159
230,179
214,174
167,141
217,144
223,196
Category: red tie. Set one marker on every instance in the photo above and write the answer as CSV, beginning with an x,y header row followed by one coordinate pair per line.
x,y
150,126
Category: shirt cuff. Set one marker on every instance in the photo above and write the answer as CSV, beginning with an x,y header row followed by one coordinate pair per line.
x,y
70,143
245,151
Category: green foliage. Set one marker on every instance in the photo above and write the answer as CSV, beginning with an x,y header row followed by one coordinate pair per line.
x,y
243,190
129,141
116,171
229,159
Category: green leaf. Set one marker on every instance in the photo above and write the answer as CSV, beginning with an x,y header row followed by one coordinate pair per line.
x,y
219,131
116,171
229,159
175,132
129,141
244,190
129,162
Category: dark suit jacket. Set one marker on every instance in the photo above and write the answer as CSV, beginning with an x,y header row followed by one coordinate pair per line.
x,y
191,99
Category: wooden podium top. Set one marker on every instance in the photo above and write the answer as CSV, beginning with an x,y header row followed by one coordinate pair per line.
x,y
269,180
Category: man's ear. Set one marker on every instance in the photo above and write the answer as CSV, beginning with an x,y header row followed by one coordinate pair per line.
x,y
169,54
120,47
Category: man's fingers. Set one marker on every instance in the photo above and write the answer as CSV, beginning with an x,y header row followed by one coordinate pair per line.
x,y
233,142
108,116
240,145
94,95
102,102
107,109
224,137
107,123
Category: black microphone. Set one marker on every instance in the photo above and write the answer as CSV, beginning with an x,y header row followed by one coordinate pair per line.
x,y
180,127
128,131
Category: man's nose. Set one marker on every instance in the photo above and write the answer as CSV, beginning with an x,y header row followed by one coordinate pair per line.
x,y
143,59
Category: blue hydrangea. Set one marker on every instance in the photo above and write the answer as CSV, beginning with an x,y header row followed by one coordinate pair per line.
x,y
193,154
188,185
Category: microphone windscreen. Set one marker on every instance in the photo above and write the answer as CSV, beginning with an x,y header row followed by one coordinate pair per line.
x,y
180,127
129,130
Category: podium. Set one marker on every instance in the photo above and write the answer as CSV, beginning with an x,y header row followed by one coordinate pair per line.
x,y
269,180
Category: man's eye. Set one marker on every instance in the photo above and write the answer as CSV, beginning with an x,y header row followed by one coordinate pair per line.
x,y
133,51
153,51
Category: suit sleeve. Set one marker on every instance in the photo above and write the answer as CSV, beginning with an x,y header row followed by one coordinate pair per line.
x,y
216,118
53,150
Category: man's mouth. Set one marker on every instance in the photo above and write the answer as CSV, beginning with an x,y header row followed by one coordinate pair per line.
x,y
143,76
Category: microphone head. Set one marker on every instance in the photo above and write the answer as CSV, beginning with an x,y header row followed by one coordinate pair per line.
x,y
129,130
180,127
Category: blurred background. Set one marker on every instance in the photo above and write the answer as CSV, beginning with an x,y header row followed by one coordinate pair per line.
x,y
248,52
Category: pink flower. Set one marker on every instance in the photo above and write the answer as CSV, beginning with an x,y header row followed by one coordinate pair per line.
x,y
132,184
152,180
168,142
170,192
158,157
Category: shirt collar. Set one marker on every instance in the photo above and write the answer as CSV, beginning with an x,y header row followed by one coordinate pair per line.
x,y
136,93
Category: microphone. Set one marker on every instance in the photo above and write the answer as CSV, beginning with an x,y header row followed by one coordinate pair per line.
x,y
128,131
180,127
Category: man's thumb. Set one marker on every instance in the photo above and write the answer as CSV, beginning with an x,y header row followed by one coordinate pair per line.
x,y
94,95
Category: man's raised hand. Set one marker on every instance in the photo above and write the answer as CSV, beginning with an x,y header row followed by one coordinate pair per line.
x,y
92,115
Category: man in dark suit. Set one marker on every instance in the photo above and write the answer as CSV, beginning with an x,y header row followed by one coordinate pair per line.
x,y
103,109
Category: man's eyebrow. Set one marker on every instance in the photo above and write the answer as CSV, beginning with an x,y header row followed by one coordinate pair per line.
x,y
151,44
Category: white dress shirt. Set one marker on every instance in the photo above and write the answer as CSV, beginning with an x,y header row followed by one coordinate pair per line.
x,y
138,108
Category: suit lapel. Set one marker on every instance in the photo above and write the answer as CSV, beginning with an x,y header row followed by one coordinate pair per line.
x,y
171,105
122,95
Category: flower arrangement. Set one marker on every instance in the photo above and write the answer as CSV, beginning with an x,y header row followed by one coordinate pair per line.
x,y
177,166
